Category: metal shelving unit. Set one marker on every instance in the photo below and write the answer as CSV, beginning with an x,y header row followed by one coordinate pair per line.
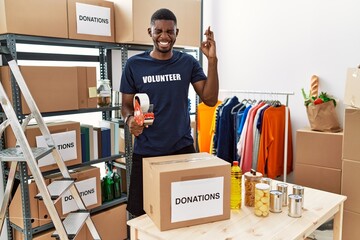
x,y
11,40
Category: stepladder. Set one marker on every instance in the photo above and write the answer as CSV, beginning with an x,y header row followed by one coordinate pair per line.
x,y
69,227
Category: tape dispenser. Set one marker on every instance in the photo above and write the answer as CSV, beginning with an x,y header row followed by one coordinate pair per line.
x,y
143,110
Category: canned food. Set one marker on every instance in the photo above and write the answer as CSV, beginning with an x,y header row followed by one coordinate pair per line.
x,y
275,201
299,190
267,181
295,209
282,187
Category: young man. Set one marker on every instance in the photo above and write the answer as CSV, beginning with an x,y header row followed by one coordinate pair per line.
x,y
164,75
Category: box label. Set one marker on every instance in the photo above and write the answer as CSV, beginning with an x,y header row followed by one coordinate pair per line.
x,y
88,193
195,199
66,144
93,20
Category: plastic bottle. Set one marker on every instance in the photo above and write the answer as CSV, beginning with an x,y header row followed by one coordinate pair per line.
x,y
104,93
235,191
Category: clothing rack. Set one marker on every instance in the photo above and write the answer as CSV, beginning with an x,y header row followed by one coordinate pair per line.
x,y
287,94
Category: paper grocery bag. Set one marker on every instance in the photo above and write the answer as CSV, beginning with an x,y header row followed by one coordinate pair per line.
x,y
352,88
322,117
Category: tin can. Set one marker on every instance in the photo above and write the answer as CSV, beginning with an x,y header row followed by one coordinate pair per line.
x,y
267,181
276,201
262,200
283,187
295,209
251,179
299,190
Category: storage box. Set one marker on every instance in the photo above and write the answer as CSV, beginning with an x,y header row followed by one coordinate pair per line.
x,y
53,88
326,179
88,185
40,18
16,212
350,179
184,190
66,135
91,20
323,149
351,143
351,223
110,223
132,19
87,89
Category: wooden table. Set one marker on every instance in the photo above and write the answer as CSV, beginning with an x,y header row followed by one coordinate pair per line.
x,y
319,207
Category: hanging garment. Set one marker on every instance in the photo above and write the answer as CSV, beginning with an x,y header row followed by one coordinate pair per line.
x,y
271,150
204,114
225,147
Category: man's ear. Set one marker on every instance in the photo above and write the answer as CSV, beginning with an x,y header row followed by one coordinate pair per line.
x,y
177,31
149,32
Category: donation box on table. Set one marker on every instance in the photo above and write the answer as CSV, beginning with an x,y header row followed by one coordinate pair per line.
x,y
185,190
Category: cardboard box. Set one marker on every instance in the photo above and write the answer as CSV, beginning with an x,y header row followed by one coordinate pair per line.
x,y
91,20
352,86
184,190
326,179
20,17
16,212
88,184
53,88
47,235
350,178
110,224
87,89
351,142
132,19
351,223
67,135
323,149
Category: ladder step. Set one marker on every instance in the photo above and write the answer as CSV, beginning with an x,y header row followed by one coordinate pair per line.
x,y
73,223
16,154
57,188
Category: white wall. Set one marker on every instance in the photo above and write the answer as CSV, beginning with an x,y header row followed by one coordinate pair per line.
x,y
278,45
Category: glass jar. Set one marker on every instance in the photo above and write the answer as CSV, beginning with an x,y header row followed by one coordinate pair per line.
x,y
104,93
262,200
251,179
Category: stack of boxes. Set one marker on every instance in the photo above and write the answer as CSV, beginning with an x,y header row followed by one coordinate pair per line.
x,y
351,176
318,160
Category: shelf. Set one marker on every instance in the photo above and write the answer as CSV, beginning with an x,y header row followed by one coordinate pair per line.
x,y
104,206
84,110
58,41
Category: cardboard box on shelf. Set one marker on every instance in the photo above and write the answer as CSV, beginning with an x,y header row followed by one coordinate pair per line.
x,y
110,223
16,212
66,135
20,17
88,185
87,89
326,179
91,20
132,19
350,177
53,88
323,149
351,147
184,190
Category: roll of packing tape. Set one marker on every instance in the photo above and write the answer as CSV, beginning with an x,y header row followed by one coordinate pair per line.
x,y
144,101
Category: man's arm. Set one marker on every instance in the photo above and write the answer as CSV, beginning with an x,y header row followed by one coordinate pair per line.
x,y
208,90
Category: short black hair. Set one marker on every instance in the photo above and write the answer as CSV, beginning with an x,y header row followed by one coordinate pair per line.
x,y
163,14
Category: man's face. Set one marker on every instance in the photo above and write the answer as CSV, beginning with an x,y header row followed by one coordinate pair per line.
x,y
163,34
